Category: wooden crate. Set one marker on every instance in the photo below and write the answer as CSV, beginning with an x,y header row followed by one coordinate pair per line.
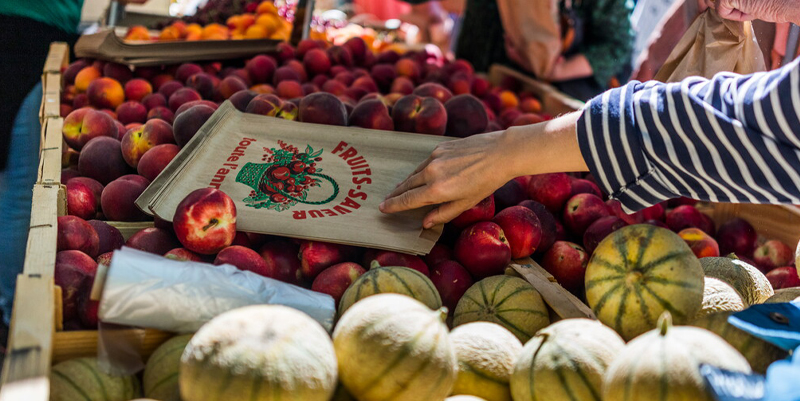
x,y
553,101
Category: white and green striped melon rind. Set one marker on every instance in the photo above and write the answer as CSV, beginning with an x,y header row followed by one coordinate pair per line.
x,y
160,379
566,361
784,295
260,352
637,273
759,353
747,280
393,347
81,379
718,296
664,364
486,354
506,300
391,279
464,398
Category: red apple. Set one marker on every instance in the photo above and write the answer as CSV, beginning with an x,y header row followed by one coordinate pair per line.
x,y
451,280
581,211
773,254
335,279
110,237
389,258
282,261
567,263
684,216
483,249
483,211
522,229
74,233
599,230
551,190
316,256
74,273
736,236
439,253
546,221
243,258
783,277
581,186
153,240
183,254
81,200
205,221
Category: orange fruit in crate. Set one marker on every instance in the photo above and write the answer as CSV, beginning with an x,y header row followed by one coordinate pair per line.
x,y
508,100
233,22
531,105
271,22
267,7
137,32
246,20
256,32
236,35
169,33
215,32
181,27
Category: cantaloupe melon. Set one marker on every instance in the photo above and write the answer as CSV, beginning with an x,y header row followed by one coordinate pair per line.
x,y
261,352
784,295
565,362
718,296
391,279
759,353
464,398
508,301
664,364
486,354
393,347
160,378
638,272
82,380
747,280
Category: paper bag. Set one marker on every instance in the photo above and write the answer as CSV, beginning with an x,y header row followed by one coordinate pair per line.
x,y
301,180
711,45
533,32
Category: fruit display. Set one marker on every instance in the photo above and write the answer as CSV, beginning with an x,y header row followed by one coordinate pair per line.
x,y
160,377
486,353
718,296
749,282
394,280
82,379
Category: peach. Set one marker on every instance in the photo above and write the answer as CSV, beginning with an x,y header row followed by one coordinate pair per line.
x,y
85,124
298,68
242,239
483,250
335,279
262,89
120,73
371,114
230,85
101,159
288,111
161,113
439,253
402,85
184,95
80,101
408,68
581,211
460,84
64,110
383,75
357,48
285,74
508,100
105,258
599,230
138,141
183,254
527,119
567,262
153,240
282,261
136,89
783,277
74,273
85,77
289,89
159,80
69,173
510,194
110,238
105,93
265,105
316,256
205,221
345,77
74,233
354,94
389,258
309,88
147,72
340,56
242,74
702,244
155,160
320,79
117,200
480,86
284,52
316,61
110,113
154,100
465,116
451,280
169,88
69,158
241,99
188,123
581,186
522,229
435,91
242,258
552,190
334,87
547,221
685,216
306,45
483,211
261,68
189,105
131,112
365,83
72,70
530,105
81,200
202,83
773,254
422,115
387,56
186,70
322,108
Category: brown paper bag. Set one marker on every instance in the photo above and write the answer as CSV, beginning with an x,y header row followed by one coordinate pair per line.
x,y
533,32
713,45
339,176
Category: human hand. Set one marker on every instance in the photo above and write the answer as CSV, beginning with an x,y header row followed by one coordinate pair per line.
x,y
765,10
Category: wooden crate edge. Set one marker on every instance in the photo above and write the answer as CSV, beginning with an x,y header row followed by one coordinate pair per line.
x,y
553,101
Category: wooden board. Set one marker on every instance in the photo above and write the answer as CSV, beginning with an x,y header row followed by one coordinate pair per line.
x,y
553,101
50,156
561,301
781,222
77,344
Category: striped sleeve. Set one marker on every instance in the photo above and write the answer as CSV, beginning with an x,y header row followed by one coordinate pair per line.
x,y
733,138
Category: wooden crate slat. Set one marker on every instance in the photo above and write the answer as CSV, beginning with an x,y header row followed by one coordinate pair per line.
x,y
77,344
781,222
48,203
50,158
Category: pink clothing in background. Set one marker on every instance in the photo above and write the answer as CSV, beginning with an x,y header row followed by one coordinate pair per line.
x,y
383,9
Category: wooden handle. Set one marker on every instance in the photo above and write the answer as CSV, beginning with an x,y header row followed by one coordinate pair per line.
x,y
559,299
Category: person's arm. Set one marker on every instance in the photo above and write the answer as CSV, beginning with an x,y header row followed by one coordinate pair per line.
x,y
729,139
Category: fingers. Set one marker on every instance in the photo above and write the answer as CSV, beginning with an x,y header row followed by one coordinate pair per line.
x,y
443,214
412,199
410,183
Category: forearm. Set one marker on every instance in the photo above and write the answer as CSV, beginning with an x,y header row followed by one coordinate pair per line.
x,y
544,148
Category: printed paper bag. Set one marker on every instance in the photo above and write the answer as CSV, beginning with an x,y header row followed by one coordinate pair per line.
x,y
301,180
533,32
713,45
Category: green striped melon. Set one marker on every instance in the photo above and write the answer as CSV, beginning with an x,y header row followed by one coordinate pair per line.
x,y
565,361
464,398
391,279
640,271
747,280
260,352
718,296
759,353
784,295
393,347
508,301
160,380
486,353
664,364
82,380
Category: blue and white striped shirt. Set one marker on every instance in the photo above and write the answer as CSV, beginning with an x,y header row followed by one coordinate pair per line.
x,y
734,138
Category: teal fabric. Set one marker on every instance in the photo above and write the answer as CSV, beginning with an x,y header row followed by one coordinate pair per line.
x,y
63,14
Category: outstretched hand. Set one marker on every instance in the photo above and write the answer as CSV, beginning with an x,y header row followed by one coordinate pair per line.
x,y
765,10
